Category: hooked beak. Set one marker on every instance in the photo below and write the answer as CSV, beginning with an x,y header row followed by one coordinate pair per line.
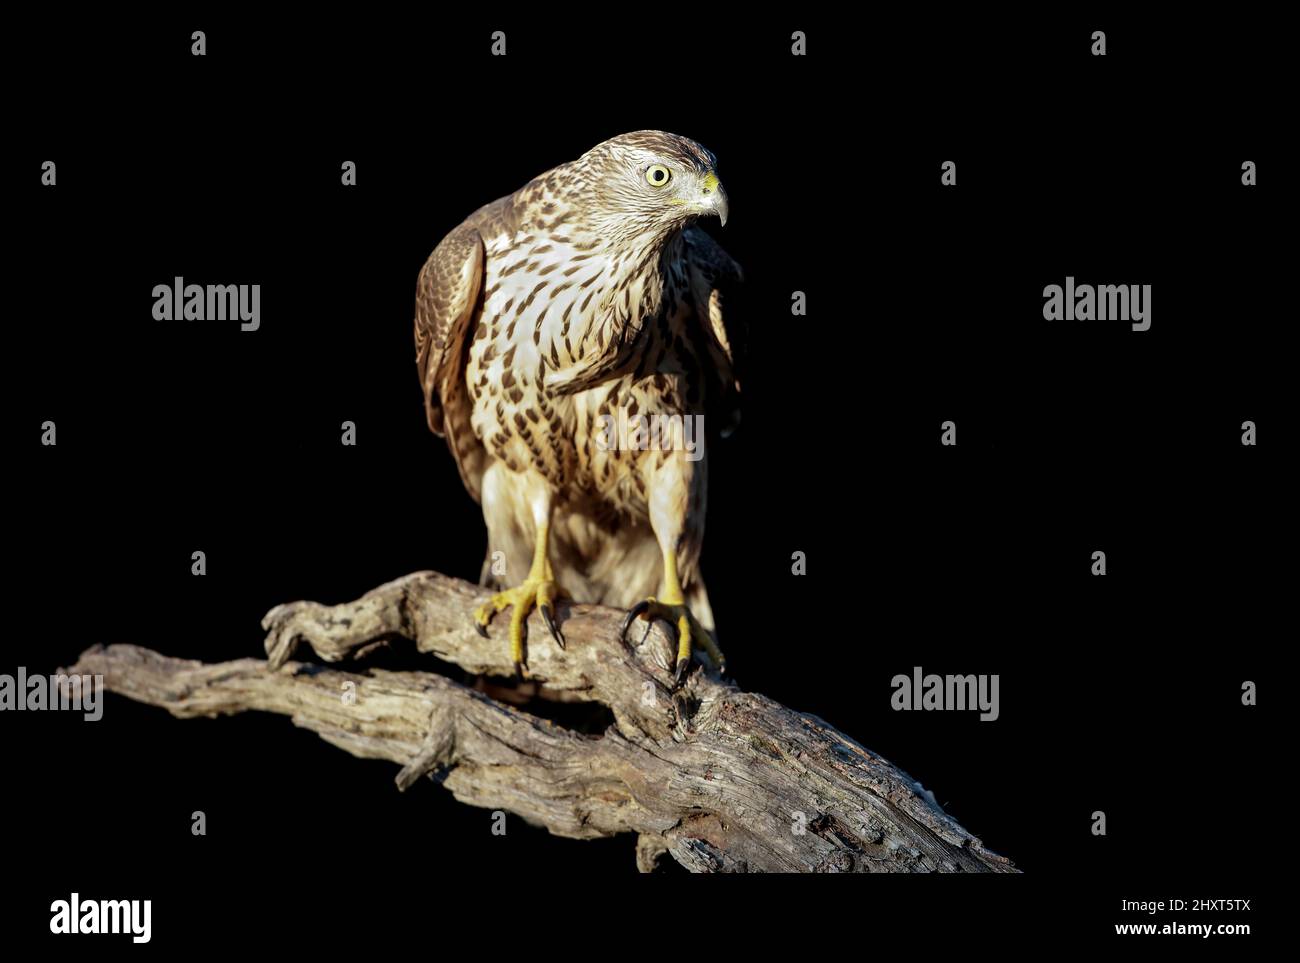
x,y
714,198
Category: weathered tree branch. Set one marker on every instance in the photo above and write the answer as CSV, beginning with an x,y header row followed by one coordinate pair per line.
x,y
720,779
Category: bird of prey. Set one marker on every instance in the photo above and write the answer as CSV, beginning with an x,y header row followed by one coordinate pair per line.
x,y
585,299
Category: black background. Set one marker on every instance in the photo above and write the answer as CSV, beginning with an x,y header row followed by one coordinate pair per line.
x,y
1119,693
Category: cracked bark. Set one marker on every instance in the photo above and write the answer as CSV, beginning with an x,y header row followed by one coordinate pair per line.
x,y
718,779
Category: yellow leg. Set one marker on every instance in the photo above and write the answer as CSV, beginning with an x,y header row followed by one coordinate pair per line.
x,y
672,609
538,589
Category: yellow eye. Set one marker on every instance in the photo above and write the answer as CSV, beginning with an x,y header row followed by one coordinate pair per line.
x,y
657,175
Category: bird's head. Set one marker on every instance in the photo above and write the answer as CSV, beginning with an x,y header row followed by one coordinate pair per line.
x,y
653,182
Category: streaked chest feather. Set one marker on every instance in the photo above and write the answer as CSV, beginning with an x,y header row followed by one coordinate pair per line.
x,y
553,304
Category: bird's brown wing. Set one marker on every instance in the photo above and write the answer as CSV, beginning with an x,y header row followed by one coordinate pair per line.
x,y
447,305
714,276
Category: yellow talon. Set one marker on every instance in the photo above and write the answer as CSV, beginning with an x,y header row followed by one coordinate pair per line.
x,y
672,609
540,593
539,589
689,632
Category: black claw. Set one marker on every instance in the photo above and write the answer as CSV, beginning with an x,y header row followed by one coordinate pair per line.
x,y
679,673
631,617
549,618
480,628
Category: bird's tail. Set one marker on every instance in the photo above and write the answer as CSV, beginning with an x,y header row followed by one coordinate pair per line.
x,y
697,599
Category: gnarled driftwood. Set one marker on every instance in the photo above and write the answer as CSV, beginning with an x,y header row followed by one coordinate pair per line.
x,y
719,779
